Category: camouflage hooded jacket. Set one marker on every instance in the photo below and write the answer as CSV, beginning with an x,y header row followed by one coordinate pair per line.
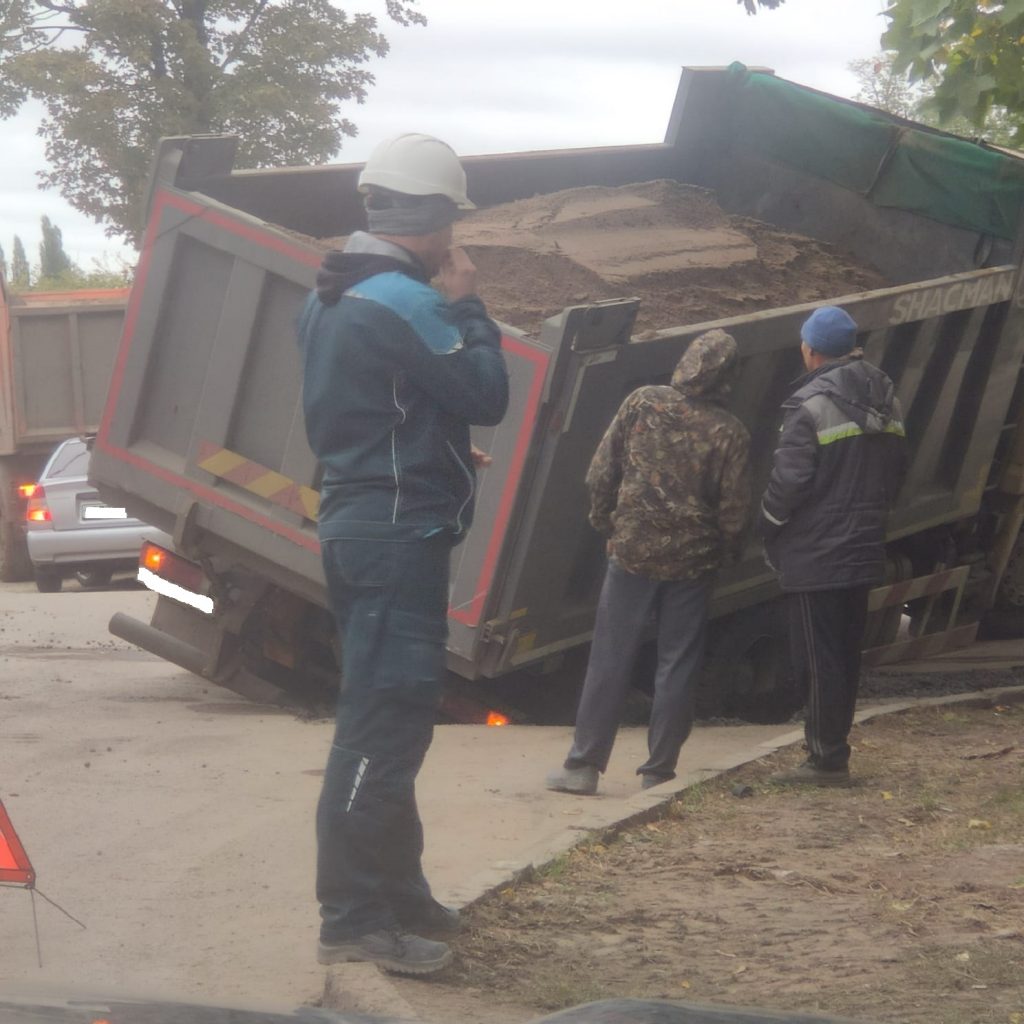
x,y
670,481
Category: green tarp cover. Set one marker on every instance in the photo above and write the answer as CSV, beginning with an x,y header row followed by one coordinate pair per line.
x,y
948,179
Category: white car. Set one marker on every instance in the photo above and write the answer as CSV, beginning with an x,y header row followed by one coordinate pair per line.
x,y
71,532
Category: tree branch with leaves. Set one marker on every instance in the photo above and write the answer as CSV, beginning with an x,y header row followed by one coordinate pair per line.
x,y
970,53
116,75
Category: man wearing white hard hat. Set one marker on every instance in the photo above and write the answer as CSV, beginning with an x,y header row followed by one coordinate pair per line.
x,y
395,372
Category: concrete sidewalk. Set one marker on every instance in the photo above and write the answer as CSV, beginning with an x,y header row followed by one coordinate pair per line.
x,y
488,816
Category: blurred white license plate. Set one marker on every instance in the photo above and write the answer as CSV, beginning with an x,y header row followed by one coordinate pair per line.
x,y
103,512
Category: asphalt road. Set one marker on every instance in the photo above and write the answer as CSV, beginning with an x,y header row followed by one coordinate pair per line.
x,y
170,817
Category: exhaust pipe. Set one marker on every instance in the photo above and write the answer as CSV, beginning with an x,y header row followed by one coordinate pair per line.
x,y
163,645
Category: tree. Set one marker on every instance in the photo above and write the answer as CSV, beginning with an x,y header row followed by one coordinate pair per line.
x,y
21,275
882,86
115,75
968,52
3,265
768,5
53,260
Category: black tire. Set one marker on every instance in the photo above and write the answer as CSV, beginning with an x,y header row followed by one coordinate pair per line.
x,y
48,581
14,561
89,579
1005,620
747,672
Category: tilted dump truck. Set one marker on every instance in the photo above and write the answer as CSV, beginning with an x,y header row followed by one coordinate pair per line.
x,y
203,431
57,350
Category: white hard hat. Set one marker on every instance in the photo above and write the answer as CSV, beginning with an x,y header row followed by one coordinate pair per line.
x,y
417,165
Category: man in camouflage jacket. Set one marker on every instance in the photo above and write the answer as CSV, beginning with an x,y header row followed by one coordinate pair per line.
x,y
670,489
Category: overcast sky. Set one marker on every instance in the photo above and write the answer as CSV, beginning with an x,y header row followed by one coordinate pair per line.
x,y
504,75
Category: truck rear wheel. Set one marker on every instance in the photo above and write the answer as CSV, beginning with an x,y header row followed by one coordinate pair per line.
x,y
14,560
1005,620
747,672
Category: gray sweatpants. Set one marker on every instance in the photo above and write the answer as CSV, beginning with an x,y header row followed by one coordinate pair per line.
x,y
624,612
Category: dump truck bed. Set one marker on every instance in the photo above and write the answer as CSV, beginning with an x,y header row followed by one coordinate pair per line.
x,y
203,432
56,353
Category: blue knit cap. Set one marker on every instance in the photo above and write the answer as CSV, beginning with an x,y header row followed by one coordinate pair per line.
x,y
830,331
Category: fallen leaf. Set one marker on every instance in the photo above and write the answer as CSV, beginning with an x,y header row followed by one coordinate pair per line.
x,y
684,984
901,905
886,795
740,969
907,822
979,823
962,957
722,952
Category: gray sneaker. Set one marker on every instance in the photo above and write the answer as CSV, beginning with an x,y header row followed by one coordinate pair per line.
x,y
396,951
581,781
648,781
809,774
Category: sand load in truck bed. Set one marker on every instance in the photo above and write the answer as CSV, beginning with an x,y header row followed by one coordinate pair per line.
x,y
668,244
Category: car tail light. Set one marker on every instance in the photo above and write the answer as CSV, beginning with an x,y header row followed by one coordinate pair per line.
x,y
28,490
38,511
170,575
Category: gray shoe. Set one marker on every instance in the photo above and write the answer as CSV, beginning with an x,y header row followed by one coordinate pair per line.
x,y
808,774
581,781
648,781
389,948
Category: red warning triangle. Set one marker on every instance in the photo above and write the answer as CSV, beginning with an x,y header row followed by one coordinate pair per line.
x,y
14,863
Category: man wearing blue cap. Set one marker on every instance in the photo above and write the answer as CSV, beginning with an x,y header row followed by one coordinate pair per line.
x,y
836,472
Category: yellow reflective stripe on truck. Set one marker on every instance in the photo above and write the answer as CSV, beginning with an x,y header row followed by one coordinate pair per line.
x,y
257,479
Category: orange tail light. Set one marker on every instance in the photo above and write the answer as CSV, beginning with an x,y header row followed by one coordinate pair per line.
x,y
38,511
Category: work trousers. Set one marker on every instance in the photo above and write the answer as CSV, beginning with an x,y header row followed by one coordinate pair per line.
x,y
390,601
826,630
627,604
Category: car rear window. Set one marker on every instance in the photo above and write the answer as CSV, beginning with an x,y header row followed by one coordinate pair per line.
x,y
71,460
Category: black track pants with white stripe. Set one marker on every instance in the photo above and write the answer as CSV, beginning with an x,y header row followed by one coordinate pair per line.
x,y
826,629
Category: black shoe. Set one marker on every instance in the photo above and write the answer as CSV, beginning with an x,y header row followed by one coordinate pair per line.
x,y
809,774
431,919
389,948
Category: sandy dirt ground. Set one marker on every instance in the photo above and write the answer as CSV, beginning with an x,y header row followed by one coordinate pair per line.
x,y
898,900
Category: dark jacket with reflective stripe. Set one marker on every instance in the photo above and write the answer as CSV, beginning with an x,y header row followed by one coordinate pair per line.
x,y
393,377
836,472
